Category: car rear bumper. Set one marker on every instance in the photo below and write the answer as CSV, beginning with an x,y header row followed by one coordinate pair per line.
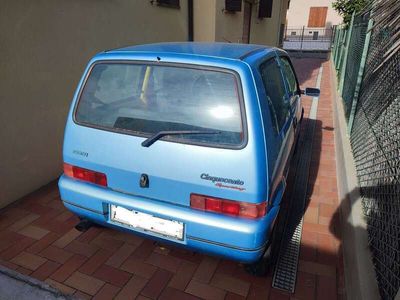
x,y
239,239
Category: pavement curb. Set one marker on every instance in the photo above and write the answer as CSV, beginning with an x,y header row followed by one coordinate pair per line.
x,y
34,283
360,280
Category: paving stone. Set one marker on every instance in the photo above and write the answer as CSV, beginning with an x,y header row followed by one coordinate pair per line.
x,y
174,294
107,242
326,288
24,271
230,284
132,288
259,292
33,232
205,291
95,261
43,243
108,291
317,269
144,250
80,248
9,265
16,248
305,286
82,296
69,267
206,269
279,295
59,286
112,275
67,238
28,260
45,270
9,238
183,276
89,235
56,254
168,263
23,222
231,296
156,284
84,283
121,255
138,267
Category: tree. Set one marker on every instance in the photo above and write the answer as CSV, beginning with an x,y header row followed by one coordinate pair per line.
x,y
345,8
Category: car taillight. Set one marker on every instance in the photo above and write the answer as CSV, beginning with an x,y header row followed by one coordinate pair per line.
x,y
228,207
85,174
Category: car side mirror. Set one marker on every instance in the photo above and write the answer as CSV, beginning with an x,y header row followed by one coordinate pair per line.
x,y
312,92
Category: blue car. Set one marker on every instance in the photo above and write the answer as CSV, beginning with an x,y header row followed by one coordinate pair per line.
x,y
185,143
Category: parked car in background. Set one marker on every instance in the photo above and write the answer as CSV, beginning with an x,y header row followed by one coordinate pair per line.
x,y
186,143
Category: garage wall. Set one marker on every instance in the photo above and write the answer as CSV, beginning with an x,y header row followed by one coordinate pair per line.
x,y
229,26
266,31
44,47
204,20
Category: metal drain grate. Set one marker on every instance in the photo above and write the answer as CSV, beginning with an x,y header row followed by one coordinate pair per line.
x,y
286,268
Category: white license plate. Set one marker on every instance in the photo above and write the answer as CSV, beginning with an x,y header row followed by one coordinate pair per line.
x,y
147,222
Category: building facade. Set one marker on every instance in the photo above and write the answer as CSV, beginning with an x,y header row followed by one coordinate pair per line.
x,y
312,14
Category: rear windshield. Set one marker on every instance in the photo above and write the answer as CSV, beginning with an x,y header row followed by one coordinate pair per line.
x,y
145,99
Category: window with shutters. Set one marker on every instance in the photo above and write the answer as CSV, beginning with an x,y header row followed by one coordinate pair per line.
x,y
317,16
265,8
233,5
168,3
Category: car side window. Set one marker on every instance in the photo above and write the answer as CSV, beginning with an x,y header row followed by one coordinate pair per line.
x,y
289,76
276,93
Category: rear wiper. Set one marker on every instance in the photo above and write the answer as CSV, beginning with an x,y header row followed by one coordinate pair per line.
x,y
151,140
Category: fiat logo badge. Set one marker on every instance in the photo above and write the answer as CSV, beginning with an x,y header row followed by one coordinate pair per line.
x,y
144,181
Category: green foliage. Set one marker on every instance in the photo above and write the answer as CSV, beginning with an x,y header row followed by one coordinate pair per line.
x,y
345,8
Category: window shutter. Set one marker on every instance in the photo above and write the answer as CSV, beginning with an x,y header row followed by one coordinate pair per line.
x,y
169,3
233,5
265,9
317,16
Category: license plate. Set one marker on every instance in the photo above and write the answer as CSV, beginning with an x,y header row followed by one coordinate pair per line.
x,y
147,222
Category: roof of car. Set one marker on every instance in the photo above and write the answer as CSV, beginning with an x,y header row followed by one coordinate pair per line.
x,y
221,50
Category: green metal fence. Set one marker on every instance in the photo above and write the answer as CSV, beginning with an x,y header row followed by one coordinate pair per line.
x,y
369,84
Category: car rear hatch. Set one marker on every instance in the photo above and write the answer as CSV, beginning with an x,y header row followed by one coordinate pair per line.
x,y
121,110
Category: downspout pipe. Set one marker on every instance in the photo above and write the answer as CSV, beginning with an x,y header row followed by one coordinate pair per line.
x,y
190,20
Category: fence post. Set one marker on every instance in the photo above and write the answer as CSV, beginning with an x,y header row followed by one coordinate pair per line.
x,y
346,53
360,76
339,48
335,43
302,37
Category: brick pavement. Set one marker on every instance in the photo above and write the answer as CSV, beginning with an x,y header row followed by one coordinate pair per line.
x,y
37,238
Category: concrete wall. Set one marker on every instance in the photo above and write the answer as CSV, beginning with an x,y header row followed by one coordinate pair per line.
x,y
204,20
229,26
262,31
44,47
266,31
299,10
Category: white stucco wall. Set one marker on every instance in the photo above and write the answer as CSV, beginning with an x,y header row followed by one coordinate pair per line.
x,y
299,10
